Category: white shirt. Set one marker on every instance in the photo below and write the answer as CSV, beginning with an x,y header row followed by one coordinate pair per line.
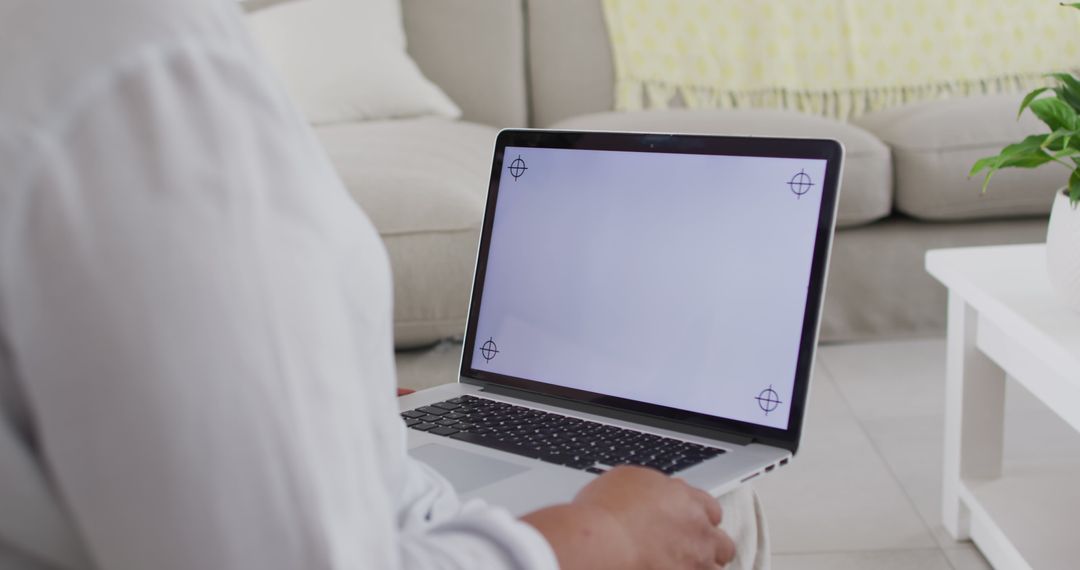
x,y
196,364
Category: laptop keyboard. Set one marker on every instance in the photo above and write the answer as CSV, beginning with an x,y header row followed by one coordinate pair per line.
x,y
563,440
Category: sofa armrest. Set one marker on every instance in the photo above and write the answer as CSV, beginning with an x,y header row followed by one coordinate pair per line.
x,y
571,70
475,51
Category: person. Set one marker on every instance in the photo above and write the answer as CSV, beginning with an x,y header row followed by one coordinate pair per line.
x,y
196,360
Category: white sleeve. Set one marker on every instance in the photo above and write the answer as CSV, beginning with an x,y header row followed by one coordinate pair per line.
x,y
450,534
200,318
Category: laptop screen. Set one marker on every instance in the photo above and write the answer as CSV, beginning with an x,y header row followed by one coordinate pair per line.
x,y
673,279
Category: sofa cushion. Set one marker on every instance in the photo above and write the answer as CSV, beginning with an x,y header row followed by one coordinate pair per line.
x,y
345,60
866,190
934,145
475,51
422,182
878,284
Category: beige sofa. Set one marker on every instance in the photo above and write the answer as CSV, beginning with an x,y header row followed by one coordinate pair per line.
x,y
547,63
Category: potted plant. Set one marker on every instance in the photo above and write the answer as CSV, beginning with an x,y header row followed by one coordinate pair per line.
x,y
1059,108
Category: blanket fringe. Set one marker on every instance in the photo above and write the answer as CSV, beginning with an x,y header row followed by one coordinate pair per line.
x,y
842,104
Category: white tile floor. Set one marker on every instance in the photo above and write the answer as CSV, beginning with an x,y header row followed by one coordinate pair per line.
x,y
864,491
876,500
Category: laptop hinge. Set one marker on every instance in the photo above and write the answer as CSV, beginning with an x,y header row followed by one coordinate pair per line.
x,y
617,414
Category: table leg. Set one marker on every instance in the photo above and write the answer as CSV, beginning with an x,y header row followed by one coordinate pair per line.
x,y
974,415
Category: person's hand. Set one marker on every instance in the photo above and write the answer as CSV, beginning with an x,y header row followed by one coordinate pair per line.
x,y
667,523
637,518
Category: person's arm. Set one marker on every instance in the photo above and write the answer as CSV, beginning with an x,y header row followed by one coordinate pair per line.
x,y
155,287
204,337
440,531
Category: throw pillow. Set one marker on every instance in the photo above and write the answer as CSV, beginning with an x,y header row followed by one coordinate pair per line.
x,y
345,60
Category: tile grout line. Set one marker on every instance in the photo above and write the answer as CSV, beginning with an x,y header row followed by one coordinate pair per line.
x,y
892,473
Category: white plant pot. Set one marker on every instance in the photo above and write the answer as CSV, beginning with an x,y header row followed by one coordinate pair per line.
x,y
1063,250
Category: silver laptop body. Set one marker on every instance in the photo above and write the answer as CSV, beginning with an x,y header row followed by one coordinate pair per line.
x,y
650,299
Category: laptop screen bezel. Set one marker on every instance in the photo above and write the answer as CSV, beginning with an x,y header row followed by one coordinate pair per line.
x,y
819,149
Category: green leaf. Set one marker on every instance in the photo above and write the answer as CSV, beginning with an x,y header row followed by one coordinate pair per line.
x,y
1027,153
1071,5
985,162
1069,90
1072,100
1055,113
1029,98
1066,79
1030,143
1025,161
1066,152
1063,135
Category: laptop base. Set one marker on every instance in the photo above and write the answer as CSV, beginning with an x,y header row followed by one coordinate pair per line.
x,y
501,478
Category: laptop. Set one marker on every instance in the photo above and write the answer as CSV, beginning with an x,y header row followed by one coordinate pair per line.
x,y
639,298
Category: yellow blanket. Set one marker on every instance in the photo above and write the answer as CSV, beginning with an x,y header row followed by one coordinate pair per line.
x,y
838,58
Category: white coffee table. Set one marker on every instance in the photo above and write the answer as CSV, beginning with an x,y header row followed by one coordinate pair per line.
x,y
1005,319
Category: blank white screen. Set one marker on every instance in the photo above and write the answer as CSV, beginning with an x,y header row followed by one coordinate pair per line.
x,y
673,279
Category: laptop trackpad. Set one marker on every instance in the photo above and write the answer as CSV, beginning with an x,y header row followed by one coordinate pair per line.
x,y
465,470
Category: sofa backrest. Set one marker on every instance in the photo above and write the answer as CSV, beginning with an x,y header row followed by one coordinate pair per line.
x,y
514,63
475,51
570,66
